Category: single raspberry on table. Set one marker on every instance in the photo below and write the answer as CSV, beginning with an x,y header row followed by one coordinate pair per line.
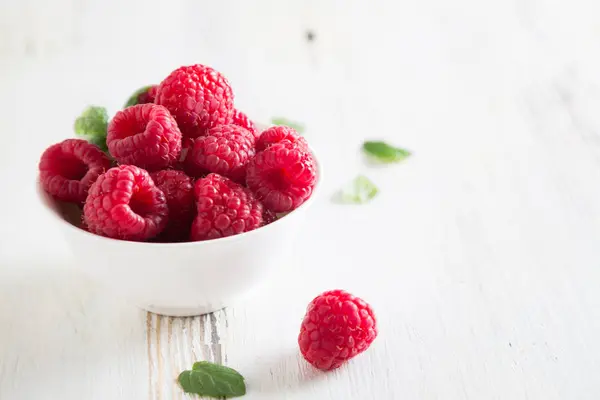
x,y
198,97
224,208
225,150
337,326
282,176
145,135
241,119
276,134
124,203
68,169
179,192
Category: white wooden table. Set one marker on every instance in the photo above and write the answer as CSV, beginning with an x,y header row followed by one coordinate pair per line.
x,y
480,256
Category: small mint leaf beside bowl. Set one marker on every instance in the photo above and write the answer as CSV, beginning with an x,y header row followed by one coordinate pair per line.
x,y
212,380
384,153
360,190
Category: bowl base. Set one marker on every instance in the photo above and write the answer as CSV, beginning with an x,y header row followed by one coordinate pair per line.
x,y
181,312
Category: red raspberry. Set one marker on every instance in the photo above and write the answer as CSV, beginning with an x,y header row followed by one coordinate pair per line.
x,y
224,209
269,216
337,326
147,96
145,135
186,146
241,119
225,150
124,203
68,169
276,134
179,192
198,97
282,176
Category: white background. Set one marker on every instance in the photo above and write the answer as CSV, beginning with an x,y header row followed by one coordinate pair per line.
x,y
480,256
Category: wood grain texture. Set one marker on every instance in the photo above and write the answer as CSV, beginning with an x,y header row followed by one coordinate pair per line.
x,y
479,255
174,344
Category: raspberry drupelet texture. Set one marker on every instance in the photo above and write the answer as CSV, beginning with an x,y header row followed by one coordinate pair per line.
x,y
224,208
145,135
241,119
276,134
225,150
337,326
282,176
124,203
198,97
178,189
69,168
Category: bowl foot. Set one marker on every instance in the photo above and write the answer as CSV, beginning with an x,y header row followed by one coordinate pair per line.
x,y
181,312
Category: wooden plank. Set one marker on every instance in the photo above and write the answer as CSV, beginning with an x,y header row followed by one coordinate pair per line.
x,y
174,344
479,255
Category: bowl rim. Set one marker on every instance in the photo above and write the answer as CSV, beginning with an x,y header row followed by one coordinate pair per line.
x,y
46,199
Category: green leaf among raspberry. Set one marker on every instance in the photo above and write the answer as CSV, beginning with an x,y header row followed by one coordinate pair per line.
x,y
141,96
92,125
213,380
292,124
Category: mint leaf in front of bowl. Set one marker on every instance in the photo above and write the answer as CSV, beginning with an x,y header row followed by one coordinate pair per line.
x,y
383,152
213,380
292,124
360,191
92,125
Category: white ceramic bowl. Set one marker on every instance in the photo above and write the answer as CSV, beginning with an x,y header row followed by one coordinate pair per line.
x,y
182,279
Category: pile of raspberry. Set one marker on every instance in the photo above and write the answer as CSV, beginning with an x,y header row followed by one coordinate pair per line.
x,y
183,164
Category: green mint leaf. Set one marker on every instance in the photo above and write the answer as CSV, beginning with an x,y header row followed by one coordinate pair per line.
x,y
360,191
92,125
292,124
213,380
385,153
134,98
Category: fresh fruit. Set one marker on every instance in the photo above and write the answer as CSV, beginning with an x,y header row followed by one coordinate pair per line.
x,y
269,216
179,192
337,326
68,169
282,176
224,208
145,135
124,203
276,134
225,150
167,135
198,97
143,95
241,119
